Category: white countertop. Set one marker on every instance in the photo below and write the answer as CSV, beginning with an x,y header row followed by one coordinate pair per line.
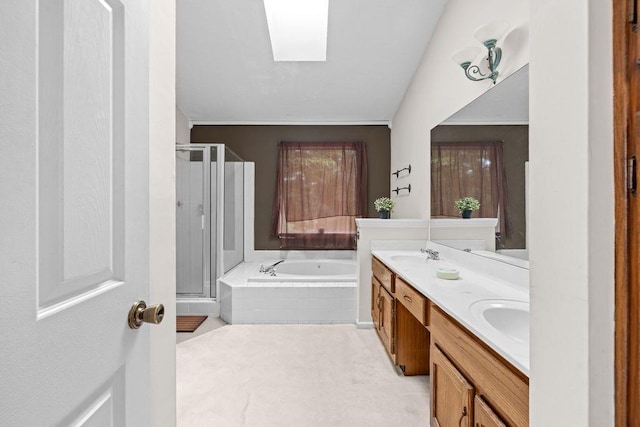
x,y
456,296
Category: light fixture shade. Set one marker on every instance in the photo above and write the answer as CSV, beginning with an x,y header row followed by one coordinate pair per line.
x,y
467,54
492,31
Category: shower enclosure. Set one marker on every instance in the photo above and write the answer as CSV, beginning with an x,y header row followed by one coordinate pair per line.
x,y
209,215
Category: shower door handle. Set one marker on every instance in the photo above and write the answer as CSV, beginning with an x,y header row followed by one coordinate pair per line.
x,y
201,213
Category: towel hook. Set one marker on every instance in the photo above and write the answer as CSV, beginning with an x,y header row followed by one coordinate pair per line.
x,y
397,173
399,189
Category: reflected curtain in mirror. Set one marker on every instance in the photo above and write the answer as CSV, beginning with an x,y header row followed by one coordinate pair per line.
x,y
321,189
476,169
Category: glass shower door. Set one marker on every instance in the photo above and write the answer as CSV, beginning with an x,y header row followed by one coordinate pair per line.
x,y
191,217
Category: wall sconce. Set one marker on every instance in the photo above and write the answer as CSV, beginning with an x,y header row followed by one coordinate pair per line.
x,y
488,35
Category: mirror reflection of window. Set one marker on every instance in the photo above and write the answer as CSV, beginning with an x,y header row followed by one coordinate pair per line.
x,y
515,152
469,169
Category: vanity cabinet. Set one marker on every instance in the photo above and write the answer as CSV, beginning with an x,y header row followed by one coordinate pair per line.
x,y
499,392
471,384
400,317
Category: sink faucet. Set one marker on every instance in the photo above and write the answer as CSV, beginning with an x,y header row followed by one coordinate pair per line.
x,y
431,254
270,269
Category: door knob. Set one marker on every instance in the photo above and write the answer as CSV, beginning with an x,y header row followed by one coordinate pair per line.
x,y
140,314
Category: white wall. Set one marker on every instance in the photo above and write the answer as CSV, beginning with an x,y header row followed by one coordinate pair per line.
x,y
439,89
370,229
183,128
571,214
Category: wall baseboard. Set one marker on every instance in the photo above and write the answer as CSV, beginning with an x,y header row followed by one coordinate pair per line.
x,y
364,325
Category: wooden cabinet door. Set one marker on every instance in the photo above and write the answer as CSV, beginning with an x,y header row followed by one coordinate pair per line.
x,y
451,393
484,415
375,302
387,319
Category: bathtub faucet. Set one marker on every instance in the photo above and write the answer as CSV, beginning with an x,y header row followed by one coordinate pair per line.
x,y
270,269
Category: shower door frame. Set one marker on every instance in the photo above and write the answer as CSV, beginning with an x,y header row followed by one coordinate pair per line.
x,y
210,268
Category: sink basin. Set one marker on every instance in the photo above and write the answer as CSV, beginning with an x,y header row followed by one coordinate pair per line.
x,y
509,317
409,258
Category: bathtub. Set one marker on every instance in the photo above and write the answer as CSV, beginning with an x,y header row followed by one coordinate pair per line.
x,y
325,270
302,291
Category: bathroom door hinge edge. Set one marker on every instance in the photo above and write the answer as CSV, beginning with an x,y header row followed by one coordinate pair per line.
x,y
632,179
632,14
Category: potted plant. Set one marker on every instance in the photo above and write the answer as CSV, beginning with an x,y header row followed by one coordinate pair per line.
x,y
466,205
384,206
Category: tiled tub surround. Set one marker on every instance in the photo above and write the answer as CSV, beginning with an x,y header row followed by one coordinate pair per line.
x,y
480,279
248,296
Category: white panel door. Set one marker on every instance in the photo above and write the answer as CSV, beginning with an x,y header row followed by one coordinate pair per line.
x,y
75,235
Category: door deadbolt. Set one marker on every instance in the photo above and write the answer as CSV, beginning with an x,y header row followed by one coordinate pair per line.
x,y
140,314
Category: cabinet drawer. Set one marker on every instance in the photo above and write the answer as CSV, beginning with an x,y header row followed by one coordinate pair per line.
x,y
383,274
413,300
500,384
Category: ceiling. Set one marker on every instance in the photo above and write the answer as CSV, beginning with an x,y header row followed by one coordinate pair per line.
x,y
226,73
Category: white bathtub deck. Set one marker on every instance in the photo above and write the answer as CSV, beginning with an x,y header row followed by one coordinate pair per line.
x,y
284,302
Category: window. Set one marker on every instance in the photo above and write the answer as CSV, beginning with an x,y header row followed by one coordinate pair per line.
x,y
321,189
460,169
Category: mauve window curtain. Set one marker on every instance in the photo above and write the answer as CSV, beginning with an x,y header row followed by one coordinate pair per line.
x,y
321,189
476,169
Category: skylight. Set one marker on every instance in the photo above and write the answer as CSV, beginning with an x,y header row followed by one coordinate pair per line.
x,y
298,29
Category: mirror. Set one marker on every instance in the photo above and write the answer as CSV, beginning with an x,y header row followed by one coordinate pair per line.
x,y
482,151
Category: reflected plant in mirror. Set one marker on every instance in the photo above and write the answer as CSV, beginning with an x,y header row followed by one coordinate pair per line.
x,y
467,205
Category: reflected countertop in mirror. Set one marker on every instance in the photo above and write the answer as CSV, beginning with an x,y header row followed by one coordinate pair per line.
x,y
516,257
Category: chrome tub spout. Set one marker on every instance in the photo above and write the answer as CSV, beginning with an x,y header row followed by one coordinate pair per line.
x,y
271,268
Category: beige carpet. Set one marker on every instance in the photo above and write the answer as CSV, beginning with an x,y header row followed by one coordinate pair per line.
x,y
294,375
